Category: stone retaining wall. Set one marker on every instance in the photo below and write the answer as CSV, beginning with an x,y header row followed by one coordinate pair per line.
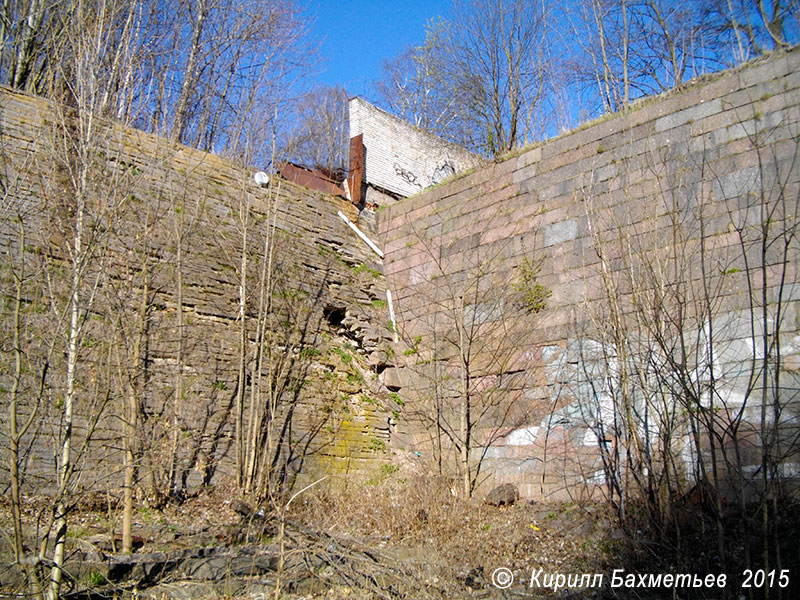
x,y
149,199
617,220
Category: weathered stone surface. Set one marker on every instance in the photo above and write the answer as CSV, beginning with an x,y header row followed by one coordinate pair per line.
x,y
218,567
318,261
210,564
182,590
391,379
560,232
505,494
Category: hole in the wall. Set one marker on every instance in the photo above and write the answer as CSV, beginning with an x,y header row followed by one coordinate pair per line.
x,y
334,315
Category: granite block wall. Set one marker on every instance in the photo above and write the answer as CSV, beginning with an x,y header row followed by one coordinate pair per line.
x,y
664,243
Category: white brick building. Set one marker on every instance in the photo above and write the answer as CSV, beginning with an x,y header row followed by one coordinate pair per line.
x,y
398,158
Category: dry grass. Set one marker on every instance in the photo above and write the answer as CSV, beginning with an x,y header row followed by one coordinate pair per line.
x,y
417,519
398,525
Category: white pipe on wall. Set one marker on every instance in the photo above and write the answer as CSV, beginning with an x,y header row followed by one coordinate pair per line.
x,y
391,314
368,241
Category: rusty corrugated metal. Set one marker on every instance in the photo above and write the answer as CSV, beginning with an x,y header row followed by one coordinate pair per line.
x,y
313,179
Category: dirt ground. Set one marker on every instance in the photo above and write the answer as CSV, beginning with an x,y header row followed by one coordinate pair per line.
x,y
386,537
347,543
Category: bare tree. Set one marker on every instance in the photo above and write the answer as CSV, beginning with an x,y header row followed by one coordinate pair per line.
x,y
235,62
24,29
466,348
322,140
503,44
684,347
129,301
25,376
81,199
479,77
417,86
284,333
747,28
196,70
637,47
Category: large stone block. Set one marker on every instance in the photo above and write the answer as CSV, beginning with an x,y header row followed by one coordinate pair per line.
x,y
767,71
689,114
558,233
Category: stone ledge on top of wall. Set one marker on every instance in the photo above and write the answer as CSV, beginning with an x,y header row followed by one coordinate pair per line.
x,y
695,101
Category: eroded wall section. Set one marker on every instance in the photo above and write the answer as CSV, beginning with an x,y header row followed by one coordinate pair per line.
x,y
208,307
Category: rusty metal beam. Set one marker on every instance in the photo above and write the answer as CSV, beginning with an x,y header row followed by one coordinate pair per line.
x,y
355,177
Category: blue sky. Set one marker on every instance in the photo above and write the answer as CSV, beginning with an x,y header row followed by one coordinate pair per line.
x,y
360,34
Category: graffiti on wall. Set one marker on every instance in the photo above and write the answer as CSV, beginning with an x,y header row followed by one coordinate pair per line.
x,y
440,173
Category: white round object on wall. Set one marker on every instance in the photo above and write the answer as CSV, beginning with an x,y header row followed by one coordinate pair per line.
x,y
261,178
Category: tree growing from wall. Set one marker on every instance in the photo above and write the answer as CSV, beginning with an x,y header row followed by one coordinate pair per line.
x,y
468,346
